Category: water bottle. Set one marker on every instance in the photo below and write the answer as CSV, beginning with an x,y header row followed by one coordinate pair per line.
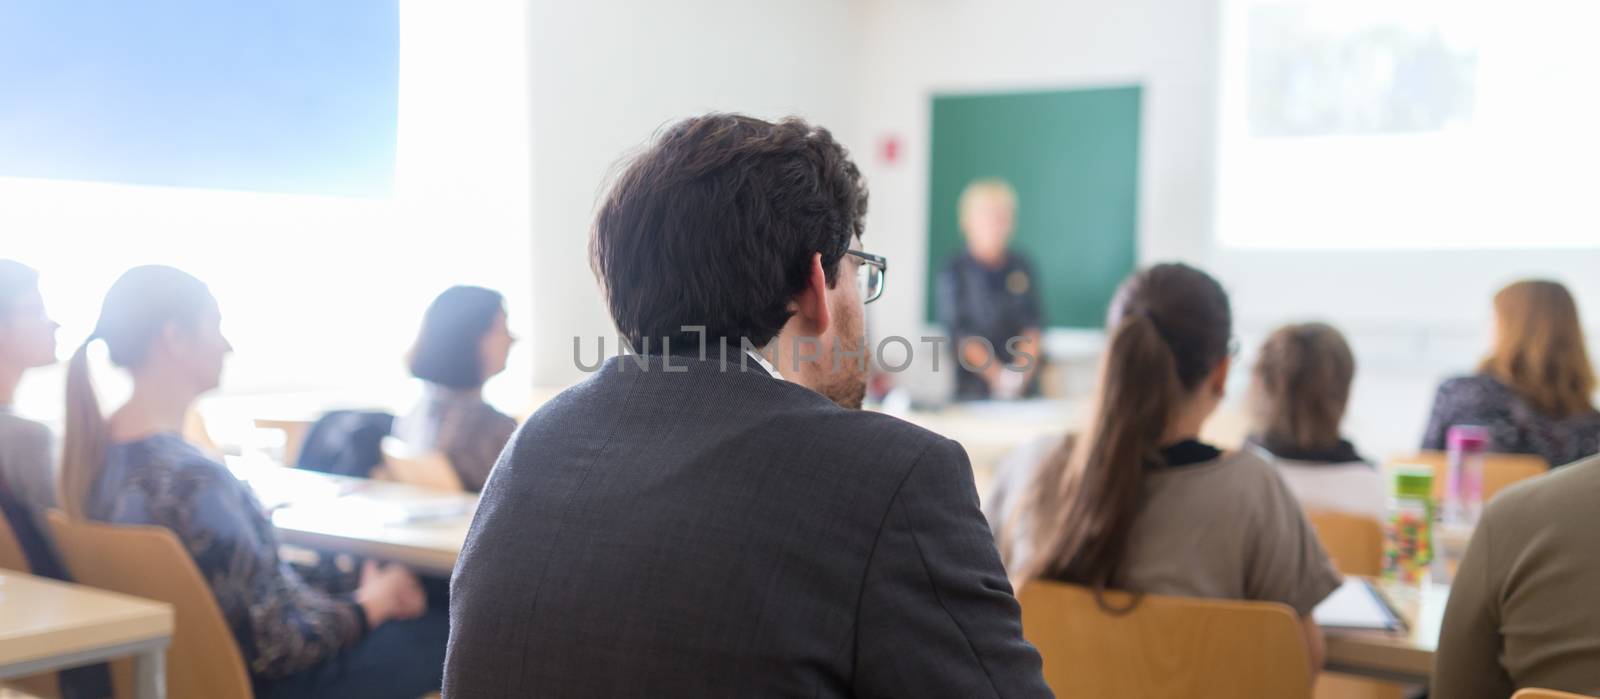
x,y
1463,492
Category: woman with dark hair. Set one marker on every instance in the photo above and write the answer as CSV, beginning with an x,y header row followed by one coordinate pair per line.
x,y
1137,502
164,328
463,343
1535,390
1298,393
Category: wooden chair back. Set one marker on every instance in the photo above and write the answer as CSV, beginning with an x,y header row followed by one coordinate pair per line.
x,y
1165,646
1354,542
203,661
11,556
1531,693
428,469
294,435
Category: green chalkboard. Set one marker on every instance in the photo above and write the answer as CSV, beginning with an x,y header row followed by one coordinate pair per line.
x,y
1073,157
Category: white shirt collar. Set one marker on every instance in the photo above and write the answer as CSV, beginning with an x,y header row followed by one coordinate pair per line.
x,y
766,365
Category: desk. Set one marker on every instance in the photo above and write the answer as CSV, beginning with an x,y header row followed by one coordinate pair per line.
x,y
417,527
46,625
1405,657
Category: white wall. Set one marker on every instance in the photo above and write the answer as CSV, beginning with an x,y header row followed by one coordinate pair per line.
x,y
608,74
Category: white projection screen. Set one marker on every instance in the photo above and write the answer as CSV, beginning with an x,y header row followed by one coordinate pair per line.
x,y
1409,125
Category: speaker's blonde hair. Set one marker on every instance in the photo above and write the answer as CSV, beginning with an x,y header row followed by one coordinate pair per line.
x,y
988,189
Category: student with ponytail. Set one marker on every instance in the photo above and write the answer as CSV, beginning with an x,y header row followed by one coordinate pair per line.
x,y
1137,502
164,328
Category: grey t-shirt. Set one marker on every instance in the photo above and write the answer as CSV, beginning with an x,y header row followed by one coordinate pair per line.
x,y
1226,529
27,456
1523,610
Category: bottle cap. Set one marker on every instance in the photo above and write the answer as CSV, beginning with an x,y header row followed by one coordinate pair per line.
x,y
1413,480
1468,438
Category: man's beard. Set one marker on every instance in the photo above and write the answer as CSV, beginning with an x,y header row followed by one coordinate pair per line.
x,y
846,382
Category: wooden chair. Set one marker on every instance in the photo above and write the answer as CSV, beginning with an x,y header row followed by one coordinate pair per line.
x,y
1531,693
1355,543
429,469
1499,470
203,661
11,556
1165,647
294,435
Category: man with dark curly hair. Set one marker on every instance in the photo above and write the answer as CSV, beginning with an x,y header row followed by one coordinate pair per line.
x,y
710,515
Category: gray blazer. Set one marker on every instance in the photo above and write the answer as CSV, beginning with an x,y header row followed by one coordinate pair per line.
x,y
723,533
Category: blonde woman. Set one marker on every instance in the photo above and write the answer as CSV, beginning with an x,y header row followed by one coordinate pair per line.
x,y
989,300
1534,392
164,328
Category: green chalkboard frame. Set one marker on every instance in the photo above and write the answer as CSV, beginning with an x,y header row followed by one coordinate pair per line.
x,y
1073,157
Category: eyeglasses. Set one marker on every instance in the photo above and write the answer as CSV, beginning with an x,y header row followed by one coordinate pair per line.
x,y
869,274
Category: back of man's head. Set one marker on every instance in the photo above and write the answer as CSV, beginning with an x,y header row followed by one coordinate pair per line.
x,y
715,225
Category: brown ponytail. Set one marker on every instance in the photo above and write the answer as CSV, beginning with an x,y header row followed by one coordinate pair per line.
x,y
85,438
1091,501
1170,327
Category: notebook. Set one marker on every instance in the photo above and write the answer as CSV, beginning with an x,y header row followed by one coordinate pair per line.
x,y
1356,605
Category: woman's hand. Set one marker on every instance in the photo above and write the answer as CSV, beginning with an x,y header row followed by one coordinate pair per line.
x,y
389,593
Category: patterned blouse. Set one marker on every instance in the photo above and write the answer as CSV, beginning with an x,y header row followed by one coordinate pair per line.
x,y
1515,427
282,624
468,431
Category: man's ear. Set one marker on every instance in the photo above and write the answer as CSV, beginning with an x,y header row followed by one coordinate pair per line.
x,y
1219,377
810,306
